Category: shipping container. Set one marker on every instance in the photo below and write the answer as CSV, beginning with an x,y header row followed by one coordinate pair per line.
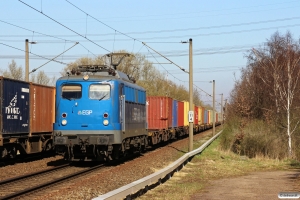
x,y
170,112
175,114
42,107
196,115
26,118
217,117
14,106
205,116
180,114
159,113
199,115
209,118
186,113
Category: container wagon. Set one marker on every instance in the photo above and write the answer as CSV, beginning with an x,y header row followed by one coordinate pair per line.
x,y
27,116
160,119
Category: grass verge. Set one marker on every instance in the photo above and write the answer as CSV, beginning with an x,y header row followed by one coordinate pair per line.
x,y
212,164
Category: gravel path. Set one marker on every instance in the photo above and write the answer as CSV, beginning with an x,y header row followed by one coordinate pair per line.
x,y
258,185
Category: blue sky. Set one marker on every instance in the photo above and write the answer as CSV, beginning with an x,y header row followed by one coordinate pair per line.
x,y
222,32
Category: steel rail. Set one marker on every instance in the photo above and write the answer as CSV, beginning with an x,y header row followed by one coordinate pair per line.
x,y
143,183
38,187
31,174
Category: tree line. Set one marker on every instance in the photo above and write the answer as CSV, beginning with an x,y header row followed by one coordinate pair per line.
x,y
15,72
267,95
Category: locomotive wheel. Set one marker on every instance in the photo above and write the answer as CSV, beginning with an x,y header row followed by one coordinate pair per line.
x,y
48,146
116,152
4,153
66,156
13,153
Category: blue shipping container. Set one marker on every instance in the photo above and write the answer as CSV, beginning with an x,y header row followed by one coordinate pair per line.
x,y
175,109
15,106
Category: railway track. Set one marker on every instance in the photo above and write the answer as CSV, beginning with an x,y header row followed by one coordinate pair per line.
x,y
23,186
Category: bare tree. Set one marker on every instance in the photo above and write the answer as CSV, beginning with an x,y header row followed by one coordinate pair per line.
x,y
13,71
270,84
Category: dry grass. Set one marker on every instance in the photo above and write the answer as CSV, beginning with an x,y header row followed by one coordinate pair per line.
x,y
212,164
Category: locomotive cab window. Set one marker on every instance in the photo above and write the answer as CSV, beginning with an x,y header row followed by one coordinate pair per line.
x,y
99,92
71,91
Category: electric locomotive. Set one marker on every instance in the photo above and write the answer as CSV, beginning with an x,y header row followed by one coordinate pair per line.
x,y
100,114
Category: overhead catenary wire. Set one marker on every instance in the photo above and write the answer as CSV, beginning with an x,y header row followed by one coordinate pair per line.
x,y
63,25
181,36
124,34
53,58
57,37
99,45
197,35
163,67
101,21
47,35
166,58
86,37
180,30
34,54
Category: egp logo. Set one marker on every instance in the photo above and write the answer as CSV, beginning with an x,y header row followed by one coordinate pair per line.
x,y
85,112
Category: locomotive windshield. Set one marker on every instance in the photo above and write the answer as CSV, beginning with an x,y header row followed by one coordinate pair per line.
x,y
99,92
71,91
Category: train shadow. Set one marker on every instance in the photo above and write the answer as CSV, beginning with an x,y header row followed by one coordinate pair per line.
x,y
55,163
26,158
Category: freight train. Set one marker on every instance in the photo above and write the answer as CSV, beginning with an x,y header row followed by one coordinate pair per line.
x,y
26,117
101,114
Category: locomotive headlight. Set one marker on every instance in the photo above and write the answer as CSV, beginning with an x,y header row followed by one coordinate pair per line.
x,y
86,77
105,122
64,122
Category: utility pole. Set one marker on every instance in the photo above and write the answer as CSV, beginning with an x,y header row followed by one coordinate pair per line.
x,y
26,61
221,117
214,113
191,112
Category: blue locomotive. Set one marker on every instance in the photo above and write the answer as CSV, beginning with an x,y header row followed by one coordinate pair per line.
x,y
100,114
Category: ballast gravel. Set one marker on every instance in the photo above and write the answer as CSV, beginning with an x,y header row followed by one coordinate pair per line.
x,y
96,184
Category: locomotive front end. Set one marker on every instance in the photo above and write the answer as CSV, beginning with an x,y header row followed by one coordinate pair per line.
x,y
99,116
86,125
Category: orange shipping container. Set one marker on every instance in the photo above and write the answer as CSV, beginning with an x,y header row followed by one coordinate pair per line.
x,y
196,115
159,112
42,109
180,113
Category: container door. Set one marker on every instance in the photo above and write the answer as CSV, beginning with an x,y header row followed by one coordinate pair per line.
x,y
15,106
